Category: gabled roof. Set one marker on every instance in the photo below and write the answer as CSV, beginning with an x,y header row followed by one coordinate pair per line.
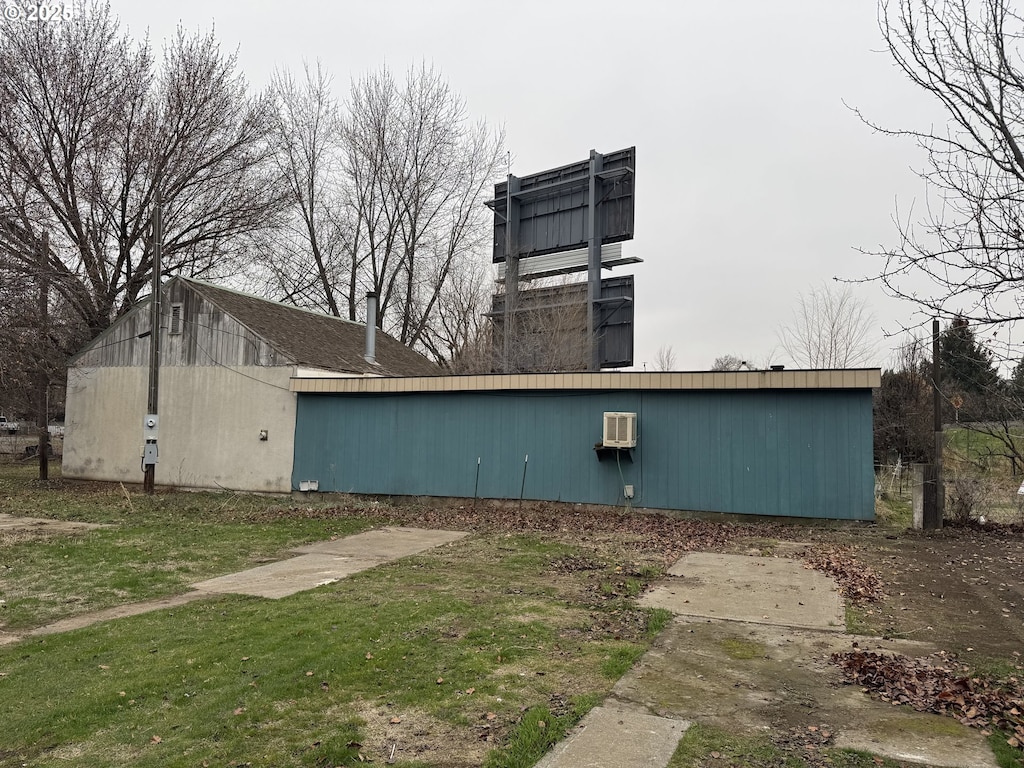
x,y
315,340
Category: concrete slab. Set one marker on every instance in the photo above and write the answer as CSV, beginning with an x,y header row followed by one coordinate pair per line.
x,y
286,577
612,736
328,561
752,678
762,590
385,543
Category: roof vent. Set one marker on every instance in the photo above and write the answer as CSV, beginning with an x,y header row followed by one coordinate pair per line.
x,y
371,328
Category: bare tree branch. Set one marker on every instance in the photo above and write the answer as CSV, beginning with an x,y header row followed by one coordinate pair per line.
x,y
830,329
963,255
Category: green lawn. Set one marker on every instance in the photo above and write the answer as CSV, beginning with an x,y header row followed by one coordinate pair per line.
x,y
481,653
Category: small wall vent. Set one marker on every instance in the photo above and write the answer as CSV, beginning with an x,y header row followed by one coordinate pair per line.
x,y
619,430
175,328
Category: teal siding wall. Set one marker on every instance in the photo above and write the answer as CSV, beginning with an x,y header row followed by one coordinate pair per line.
x,y
802,453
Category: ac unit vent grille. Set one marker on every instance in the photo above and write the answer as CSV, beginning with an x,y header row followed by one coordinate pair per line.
x,y
619,430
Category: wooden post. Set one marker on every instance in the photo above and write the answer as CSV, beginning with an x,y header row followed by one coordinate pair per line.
x,y
934,498
153,399
43,378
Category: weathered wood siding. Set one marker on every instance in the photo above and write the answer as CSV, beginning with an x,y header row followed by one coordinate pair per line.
x,y
207,337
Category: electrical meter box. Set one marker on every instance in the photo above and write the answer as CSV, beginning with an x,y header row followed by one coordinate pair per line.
x,y
150,427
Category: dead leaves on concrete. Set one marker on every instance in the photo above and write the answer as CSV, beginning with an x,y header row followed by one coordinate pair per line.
x,y
945,688
857,583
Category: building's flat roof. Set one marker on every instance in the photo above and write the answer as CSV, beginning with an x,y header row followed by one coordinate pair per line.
x,y
854,378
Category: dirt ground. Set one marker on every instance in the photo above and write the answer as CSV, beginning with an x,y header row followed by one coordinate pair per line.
x,y
960,589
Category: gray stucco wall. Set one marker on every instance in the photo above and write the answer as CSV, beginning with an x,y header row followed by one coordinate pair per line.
x,y
210,422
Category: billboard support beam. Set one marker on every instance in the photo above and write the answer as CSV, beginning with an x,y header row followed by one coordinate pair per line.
x,y
575,208
511,269
594,261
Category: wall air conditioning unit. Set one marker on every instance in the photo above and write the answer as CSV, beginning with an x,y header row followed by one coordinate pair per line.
x,y
619,430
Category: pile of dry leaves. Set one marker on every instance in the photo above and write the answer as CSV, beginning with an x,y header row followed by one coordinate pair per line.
x,y
944,688
857,583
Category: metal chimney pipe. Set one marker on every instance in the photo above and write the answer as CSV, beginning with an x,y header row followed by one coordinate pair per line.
x,y
371,328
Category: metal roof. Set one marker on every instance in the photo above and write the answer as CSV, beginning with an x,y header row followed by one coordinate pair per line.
x,y
859,378
313,339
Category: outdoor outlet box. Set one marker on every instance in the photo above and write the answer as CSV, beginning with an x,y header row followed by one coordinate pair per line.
x,y
149,453
627,491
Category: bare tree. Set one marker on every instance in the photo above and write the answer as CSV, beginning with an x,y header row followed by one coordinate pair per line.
x,y
90,125
386,195
665,358
729,363
831,328
549,332
308,257
963,255
419,172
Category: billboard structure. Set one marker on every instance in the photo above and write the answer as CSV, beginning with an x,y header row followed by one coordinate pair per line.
x,y
550,331
579,207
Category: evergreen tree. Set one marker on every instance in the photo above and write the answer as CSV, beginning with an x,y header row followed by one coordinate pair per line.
x,y
1017,381
967,366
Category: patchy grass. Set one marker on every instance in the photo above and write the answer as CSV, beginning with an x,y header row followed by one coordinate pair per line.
x,y
977,447
149,547
894,511
702,747
481,653
536,732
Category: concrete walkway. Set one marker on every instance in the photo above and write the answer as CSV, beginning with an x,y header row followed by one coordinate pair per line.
x,y
315,565
749,652
328,561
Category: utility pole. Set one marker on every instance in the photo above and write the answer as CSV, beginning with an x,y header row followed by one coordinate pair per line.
x,y
151,422
43,378
934,498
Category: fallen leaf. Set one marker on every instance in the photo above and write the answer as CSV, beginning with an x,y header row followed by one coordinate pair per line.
x,y
369,655
490,716
240,710
309,674
155,740
440,680
395,720
104,666
470,691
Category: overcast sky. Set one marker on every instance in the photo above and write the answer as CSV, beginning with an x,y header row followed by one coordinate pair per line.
x,y
754,180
